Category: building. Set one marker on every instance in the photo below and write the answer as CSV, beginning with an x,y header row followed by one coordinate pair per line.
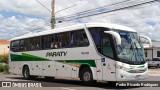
x,y
153,52
4,44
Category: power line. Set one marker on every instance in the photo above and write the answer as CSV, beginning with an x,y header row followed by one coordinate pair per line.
x,y
65,8
43,6
88,11
121,12
60,3
92,11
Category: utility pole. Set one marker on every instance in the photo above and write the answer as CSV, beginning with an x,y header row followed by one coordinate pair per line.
x,y
53,14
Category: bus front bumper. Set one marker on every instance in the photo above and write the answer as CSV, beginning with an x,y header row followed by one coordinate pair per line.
x,y
126,76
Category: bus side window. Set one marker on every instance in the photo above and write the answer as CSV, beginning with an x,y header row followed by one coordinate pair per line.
x,y
107,49
71,39
47,41
21,45
86,42
58,41
80,39
27,44
15,46
53,41
35,43
62,40
97,36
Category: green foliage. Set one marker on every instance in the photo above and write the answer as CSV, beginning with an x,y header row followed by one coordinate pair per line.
x,y
3,64
4,68
1,67
3,59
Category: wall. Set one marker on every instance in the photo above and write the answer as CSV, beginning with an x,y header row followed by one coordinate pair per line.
x,y
149,53
155,52
4,49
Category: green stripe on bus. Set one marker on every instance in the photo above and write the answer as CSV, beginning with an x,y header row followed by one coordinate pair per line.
x,y
91,63
26,57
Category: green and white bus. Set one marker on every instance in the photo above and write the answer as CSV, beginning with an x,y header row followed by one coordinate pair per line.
x,y
89,52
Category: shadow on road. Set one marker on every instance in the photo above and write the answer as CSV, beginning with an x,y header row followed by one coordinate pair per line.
x,y
71,83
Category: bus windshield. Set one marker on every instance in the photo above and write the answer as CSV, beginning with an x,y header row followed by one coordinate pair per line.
x,y
131,49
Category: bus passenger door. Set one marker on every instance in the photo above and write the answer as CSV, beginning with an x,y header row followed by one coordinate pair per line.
x,y
108,62
109,71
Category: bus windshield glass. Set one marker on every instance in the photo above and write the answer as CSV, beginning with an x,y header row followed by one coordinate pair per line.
x,y
131,49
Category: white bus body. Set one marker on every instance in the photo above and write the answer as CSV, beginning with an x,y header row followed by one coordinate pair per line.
x,y
77,53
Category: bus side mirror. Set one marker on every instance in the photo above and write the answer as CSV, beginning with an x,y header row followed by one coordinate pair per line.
x,y
146,41
116,35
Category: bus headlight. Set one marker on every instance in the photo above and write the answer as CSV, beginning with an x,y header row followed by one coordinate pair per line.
x,y
132,70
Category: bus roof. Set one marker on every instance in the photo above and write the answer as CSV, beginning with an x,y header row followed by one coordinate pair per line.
x,y
76,27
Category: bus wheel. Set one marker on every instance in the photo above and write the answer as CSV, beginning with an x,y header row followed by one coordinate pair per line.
x,y
86,76
26,73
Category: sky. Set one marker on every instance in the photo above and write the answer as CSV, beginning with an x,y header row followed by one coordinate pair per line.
x,y
18,17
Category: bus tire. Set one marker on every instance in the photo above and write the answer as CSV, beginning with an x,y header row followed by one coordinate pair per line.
x,y
26,73
86,76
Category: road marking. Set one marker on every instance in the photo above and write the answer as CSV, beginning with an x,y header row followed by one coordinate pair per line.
x,y
67,88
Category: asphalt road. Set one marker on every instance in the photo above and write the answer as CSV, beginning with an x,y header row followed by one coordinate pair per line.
x,y
67,84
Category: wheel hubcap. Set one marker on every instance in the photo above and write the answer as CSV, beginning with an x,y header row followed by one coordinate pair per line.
x,y
86,76
26,73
